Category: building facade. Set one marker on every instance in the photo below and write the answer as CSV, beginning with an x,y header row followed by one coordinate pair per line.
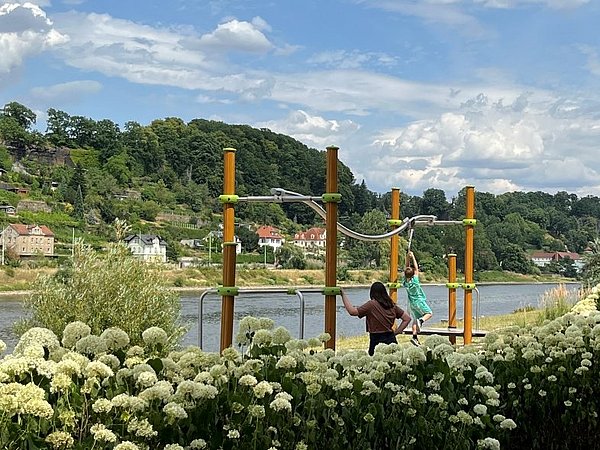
x,y
312,240
147,247
28,240
269,236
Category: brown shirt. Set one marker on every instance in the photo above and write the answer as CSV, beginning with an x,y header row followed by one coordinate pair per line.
x,y
379,319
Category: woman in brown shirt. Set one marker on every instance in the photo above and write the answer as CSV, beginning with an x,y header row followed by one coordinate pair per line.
x,y
381,313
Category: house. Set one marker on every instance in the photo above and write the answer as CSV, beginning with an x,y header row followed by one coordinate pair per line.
x,y
542,259
192,243
269,236
218,234
312,239
189,261
8,209
28,240
147,247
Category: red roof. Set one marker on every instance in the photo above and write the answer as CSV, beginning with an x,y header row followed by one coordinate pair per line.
x,y
25,230
267,231
555,255
312,234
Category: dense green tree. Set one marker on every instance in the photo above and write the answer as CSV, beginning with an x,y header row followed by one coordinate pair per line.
x,y
24,116
290,256
434,203
514,259
57,127
248,237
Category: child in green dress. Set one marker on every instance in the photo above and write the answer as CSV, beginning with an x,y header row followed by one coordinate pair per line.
x,y
417,299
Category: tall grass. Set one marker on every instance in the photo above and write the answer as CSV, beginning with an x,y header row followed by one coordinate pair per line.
x,y
556,302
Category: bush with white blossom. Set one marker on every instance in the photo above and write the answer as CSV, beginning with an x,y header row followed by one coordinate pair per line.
x,y
525,388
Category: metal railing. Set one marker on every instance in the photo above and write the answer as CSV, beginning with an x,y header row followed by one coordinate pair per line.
x,y
290,291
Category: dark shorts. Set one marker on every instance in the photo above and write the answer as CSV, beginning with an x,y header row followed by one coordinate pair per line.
x,y
381,338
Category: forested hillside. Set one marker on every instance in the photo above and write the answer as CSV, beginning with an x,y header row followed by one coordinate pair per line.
x,y
90,172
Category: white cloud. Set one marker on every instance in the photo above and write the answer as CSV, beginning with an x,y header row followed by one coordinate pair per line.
x,y
554,4
25,30
314,131
238,36
68,92
526,145
344,59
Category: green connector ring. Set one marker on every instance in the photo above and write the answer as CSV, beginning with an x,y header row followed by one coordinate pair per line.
x,y
228,290
229,198
453,285
468,286
332,197
395,222
230,243
332,290
394,285
469,221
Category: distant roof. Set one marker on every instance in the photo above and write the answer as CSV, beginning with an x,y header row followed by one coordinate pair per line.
x,y
25,230
267,231
312,234
147,239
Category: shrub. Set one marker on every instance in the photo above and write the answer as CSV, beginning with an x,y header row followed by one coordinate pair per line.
x,y
104,290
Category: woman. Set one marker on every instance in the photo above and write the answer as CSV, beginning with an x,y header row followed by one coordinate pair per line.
x,y
381,313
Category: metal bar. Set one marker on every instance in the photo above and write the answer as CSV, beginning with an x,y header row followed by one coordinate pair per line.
x,y
477,309
279,198
297,292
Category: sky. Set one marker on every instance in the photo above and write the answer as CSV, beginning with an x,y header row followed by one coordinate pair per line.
x,y
503,95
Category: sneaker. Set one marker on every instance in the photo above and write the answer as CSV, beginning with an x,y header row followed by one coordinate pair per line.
x,y
420,324
415,341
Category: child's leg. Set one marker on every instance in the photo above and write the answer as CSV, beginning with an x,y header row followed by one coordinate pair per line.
x,y
426,317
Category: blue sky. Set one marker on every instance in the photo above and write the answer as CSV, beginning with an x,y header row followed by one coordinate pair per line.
x,y
500,94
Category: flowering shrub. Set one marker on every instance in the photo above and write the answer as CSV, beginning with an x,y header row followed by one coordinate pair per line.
x,y
526,388
104,290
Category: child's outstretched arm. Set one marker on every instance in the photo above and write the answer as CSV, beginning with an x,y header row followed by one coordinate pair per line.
x,y
352,310
414,261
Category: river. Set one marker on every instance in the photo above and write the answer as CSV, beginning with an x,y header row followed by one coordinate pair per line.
x,y
495,299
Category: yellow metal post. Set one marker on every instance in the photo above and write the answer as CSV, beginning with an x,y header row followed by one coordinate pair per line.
x,y
394,245
227,302
331,210
452,294
469,240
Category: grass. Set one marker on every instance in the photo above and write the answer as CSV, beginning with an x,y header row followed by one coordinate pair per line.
x,y
521,318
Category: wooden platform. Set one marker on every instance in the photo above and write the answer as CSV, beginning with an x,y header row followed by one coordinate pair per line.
x,y
445,331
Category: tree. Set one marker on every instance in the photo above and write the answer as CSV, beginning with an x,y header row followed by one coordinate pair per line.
x,y
514,259
249,239
57,127
434,202
290,256
22,115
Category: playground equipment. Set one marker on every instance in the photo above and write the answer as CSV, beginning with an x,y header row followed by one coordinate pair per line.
x,y
331,199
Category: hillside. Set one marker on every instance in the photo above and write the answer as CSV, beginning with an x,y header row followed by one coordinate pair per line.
x,y
165,177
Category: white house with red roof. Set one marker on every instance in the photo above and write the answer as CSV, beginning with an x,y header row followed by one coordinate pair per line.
x,y
542,259
312,239
28,240
269,236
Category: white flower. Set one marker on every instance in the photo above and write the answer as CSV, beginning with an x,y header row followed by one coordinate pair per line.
x,y
126,445
263,388
233,434
488,443
60,439
247,380
480,409
175,411
115,338
91,345
198,444
173,447
102,434
155,336
508,424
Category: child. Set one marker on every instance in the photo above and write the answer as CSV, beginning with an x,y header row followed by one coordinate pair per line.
x,y
417,300
381,313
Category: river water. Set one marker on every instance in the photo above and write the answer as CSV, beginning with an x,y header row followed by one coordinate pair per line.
x,y
495,299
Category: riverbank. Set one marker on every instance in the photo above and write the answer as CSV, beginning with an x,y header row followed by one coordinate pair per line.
x,y
18,281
